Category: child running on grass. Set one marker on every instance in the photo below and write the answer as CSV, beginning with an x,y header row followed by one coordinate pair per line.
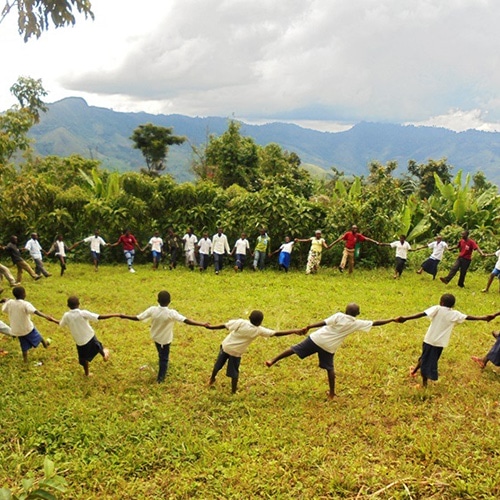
x,y
493,354
162,328
242,333
443,318
20,312
87,345
325,341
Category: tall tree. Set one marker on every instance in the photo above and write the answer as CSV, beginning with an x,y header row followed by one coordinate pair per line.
x,y
233,158
36,16
17,121
153,142
424,173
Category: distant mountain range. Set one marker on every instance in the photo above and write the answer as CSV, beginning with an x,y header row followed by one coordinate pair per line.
x,y
71,126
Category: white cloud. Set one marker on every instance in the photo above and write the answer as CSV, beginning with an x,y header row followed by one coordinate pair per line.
x,y
317,60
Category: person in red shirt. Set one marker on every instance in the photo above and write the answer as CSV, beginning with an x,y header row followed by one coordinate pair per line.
x,y
129,243
351,238
466,247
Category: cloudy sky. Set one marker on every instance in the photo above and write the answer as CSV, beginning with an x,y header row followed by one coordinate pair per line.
x,y
326,64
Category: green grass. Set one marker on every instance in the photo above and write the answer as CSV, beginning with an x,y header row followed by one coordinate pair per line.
x,y
121,435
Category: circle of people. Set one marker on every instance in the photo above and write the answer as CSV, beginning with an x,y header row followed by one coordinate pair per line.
x,y
198,252
324,342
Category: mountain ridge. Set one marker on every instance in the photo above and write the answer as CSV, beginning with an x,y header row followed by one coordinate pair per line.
x,y
71,126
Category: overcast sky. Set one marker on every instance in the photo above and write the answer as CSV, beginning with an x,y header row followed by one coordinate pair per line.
x,y
326,64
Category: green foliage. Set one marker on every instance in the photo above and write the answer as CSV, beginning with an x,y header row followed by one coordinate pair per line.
x,y
426,175
153,141
45,489
35,16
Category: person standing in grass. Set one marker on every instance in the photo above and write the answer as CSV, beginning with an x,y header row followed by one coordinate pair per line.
x,y
162,328
87,345
443,318
242,333
96,242
35,250
430,265
240,250
129,243
262,248
173,243
496,270
351,239
59,248
325,341
15,254
466,246
220,248
20,311
190,241
156,244
314,257
493,354
204,246
285,254
402,248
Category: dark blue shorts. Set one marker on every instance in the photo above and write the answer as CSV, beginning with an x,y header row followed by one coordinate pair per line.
x,y
95,256
307,347
89,351
156,255
429,361
33,339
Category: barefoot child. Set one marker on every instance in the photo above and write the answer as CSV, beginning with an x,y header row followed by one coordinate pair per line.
x,y
162,328
20,312
443,318
87,345
242,333
5,329
325,341
493,354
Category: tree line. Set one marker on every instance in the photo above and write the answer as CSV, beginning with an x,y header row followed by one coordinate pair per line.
x,y
240,186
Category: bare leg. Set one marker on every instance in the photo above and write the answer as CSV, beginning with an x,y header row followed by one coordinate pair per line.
x,y
424,381
490,281
25,356
234,385
414,369
331,383
284,354
105,354
86,369
480,361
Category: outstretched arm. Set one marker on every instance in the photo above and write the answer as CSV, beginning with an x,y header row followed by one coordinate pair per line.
x,y
315,325
334,242
298,331
108,316
488,317
381,322
402,319
215,327
47,317
131,318
192,322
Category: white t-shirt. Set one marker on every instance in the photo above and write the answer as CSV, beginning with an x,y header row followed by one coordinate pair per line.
x,y
156,244
95,243
437,249
220,243
205,246
77,320
19,312
401,249
242,246
287,247
189,242
443,319
337,328
497,265
241,335
60,248
34,248
162,323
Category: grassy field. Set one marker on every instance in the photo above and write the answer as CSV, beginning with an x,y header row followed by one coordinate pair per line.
x,y
119,435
